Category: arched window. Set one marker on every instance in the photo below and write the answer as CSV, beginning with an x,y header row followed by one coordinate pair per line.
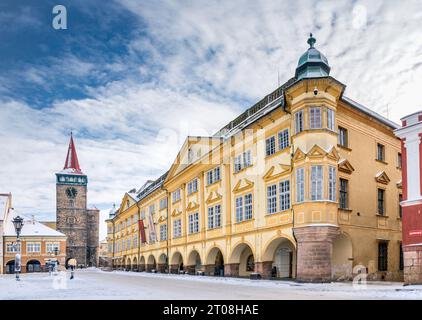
x,y
250,263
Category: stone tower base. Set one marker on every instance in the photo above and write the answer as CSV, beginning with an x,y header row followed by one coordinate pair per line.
x,y
314,252
412,258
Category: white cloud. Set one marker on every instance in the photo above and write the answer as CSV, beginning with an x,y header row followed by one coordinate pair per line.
x,y
204,63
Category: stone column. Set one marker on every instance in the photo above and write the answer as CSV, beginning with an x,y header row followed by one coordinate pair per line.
x,y
264,269
314,252
412,259
190,269
231,269
209,269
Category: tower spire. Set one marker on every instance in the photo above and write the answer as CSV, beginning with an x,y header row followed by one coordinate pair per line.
x,y
72,163
311,41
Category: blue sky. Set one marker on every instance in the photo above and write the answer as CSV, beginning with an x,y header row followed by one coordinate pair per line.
x,y
133,78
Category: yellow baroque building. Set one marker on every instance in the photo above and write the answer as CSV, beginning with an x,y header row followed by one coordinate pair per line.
x,y
305,184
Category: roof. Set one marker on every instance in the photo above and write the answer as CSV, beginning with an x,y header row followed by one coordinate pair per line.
x,y
152,187
370,113
31,227
71,164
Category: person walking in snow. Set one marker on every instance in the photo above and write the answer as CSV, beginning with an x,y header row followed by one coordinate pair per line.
x,y
72,264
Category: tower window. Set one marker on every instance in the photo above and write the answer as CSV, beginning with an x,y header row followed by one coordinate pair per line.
x,y
300,185
399,160
332,179
330,119
343,194
270,146
299,121
316,182
400,208
315,118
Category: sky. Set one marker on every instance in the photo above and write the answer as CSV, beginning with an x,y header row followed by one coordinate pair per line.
x,y
132,79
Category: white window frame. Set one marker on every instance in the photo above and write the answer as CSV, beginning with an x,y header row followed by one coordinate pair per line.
x,y
300,185
33,247
49,247
317,182
192,186
176,196
330,119
214,217
270,146
213,175
272,199
163,203
177,228
194,223
299,121
163,232
315,118
248,202
332,181
284,194
283,139
239,209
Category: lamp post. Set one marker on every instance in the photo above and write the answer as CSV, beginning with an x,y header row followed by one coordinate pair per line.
x,y
18,224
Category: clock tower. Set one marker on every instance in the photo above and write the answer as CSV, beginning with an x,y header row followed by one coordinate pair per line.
x,y
72,216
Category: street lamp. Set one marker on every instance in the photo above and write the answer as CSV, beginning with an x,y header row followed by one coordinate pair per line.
x,y
18,224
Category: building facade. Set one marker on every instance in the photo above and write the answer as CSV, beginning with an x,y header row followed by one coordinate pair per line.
x,y
38,244
410,135
305,184
73,218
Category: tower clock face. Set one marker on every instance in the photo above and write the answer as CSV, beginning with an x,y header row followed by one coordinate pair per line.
x,y
71,193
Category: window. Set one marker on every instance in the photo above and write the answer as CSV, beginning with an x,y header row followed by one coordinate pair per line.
x,y
177,228
214,217
343,137
399,160
243,160
151,209
163,203
193,186
52,247
33,247
176,195
272,199
284,191
213,175
143,214
270,146
382,256
135,241
315,118
316,182
283,139
128,244
344,194
250,263
239,209
300,185
332,179
248,207
330,119
381,204
13,247
400,208
380,152
299,121
163,232
194,222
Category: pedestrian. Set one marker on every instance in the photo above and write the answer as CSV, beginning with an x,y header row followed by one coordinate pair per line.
x,y
73,265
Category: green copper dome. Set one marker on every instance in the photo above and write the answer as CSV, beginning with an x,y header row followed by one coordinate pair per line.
x,y
312,64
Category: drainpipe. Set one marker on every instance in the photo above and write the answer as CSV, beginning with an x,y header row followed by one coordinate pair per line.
x,y
139,234
167,231
293,211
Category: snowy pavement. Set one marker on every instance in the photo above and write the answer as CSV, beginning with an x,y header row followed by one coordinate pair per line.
x,y
97,284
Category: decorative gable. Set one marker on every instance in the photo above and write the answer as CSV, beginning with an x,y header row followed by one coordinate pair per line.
x,y
274,173
333,154
242,185
176,212
192,205
214,196
161,219
316,152
299,155
382,177
345,166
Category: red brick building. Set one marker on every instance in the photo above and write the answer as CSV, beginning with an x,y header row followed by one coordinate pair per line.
x,y
410,135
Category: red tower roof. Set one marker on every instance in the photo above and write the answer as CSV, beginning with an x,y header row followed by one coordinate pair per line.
x,y
72,164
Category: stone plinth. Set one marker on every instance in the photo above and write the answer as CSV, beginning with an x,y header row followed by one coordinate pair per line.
x,y
264,269
231,269
412,258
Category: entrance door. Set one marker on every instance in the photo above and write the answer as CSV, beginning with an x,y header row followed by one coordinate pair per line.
x,y
283,263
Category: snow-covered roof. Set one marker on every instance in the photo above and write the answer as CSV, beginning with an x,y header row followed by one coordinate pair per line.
x,y
31,227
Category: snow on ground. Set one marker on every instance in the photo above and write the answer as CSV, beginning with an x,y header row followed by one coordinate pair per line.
x,y
97,284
